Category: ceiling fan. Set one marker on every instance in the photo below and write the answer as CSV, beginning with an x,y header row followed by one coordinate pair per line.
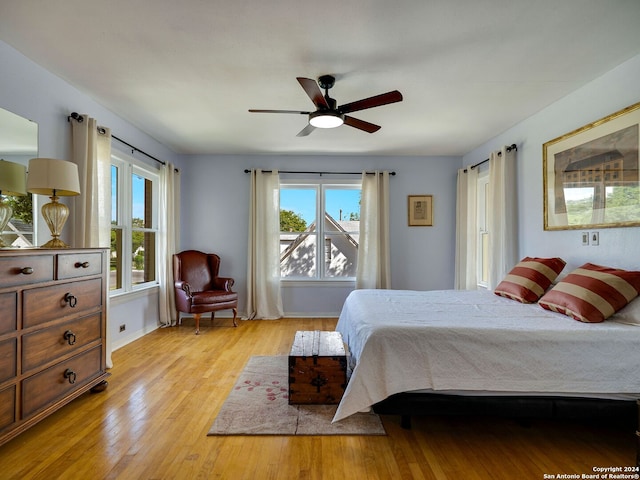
x,y
327,114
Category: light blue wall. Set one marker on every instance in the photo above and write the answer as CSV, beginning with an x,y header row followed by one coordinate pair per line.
x,y
619,247
32,92
215,208
215,188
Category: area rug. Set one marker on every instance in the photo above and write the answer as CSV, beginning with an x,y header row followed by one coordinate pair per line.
x,y
259,405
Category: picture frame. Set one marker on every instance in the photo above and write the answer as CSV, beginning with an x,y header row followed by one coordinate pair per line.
x,y
420,210
590,175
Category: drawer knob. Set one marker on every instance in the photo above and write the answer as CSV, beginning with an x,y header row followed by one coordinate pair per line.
x,y
72,300
82,264
70,337
70,375
26,270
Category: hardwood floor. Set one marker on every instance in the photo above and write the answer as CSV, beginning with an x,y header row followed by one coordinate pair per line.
x,y
167,387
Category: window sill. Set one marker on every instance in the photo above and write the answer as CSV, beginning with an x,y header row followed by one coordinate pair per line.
x,y
124,297
318,283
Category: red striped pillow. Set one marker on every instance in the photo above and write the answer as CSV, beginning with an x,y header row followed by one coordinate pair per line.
x,y
529,279
592,293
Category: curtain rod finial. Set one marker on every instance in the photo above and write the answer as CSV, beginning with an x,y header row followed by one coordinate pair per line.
x,y
76,116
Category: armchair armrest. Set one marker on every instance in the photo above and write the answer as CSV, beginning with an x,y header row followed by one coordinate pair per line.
x,y
224,283
184,286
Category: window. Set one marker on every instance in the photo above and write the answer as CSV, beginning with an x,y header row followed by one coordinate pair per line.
x,y
319,230
483,230
134,225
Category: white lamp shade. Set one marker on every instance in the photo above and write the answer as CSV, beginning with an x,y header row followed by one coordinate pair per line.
x,y
13,178
47,175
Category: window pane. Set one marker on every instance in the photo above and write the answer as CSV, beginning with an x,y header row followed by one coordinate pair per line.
x,y
144,253
115,264
484,258
340,255
115,195
343,205
142,204
297,209
298,255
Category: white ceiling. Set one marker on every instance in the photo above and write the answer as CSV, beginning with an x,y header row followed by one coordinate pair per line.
x,y
187,72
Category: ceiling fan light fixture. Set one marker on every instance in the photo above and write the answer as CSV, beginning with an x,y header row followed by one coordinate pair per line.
x,y
326,119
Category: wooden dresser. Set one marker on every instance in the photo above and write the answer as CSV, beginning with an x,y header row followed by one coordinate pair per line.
x,y
52,331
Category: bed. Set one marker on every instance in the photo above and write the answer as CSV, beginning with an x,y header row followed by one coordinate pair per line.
x,y
475,343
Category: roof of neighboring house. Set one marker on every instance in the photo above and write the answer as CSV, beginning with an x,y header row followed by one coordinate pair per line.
x,y
341,226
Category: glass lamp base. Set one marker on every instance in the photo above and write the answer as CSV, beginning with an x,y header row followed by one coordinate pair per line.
x,y
55,214
55,243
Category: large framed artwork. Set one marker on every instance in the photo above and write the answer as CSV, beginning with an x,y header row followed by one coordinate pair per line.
x,y
590,175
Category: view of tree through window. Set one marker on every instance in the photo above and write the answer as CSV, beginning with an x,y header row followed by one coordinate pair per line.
x,y
319,230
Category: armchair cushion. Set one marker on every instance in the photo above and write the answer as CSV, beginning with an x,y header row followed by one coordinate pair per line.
x,y
212,297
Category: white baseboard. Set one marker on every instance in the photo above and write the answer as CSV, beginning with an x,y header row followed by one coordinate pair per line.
x,y
311,315
121,342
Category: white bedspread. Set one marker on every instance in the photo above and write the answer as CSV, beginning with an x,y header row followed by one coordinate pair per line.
x,y
475,341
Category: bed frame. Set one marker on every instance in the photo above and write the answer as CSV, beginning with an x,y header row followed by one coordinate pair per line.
x,y
625,413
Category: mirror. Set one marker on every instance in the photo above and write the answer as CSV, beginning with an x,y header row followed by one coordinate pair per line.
x,y
18,143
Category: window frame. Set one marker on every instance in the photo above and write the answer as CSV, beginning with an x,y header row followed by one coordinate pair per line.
x,y
320,186
482,245
128,166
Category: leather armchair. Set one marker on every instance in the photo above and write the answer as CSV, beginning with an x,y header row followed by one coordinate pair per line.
x,y
199,289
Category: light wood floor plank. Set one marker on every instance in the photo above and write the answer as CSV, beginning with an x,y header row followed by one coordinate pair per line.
x,y
167,387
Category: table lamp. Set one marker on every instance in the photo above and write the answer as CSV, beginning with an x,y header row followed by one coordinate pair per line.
x,y
56,178
13,177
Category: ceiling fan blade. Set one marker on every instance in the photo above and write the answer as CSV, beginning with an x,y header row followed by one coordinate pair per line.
x,y
361,124
306,131
312,89
378,100
253,110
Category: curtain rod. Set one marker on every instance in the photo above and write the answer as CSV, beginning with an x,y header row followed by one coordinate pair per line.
x,y
76,116
513,146
246,170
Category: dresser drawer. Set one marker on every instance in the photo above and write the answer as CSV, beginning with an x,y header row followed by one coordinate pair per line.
x,y
8,312
8,355
25,269
43,346
7,406
40,305
51,384
73,265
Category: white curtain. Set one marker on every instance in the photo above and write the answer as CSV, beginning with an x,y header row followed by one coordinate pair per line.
x,y
91,150
168,241
373,251
92,208
502,215
264,299
466,274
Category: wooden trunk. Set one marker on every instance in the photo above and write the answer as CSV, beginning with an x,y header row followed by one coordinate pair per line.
x,y
317,368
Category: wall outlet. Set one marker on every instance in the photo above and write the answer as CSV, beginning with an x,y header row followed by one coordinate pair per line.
x,y
585,238
123,328
595,238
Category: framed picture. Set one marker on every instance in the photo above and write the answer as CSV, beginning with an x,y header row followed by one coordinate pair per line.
x,y
590,175
420,210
